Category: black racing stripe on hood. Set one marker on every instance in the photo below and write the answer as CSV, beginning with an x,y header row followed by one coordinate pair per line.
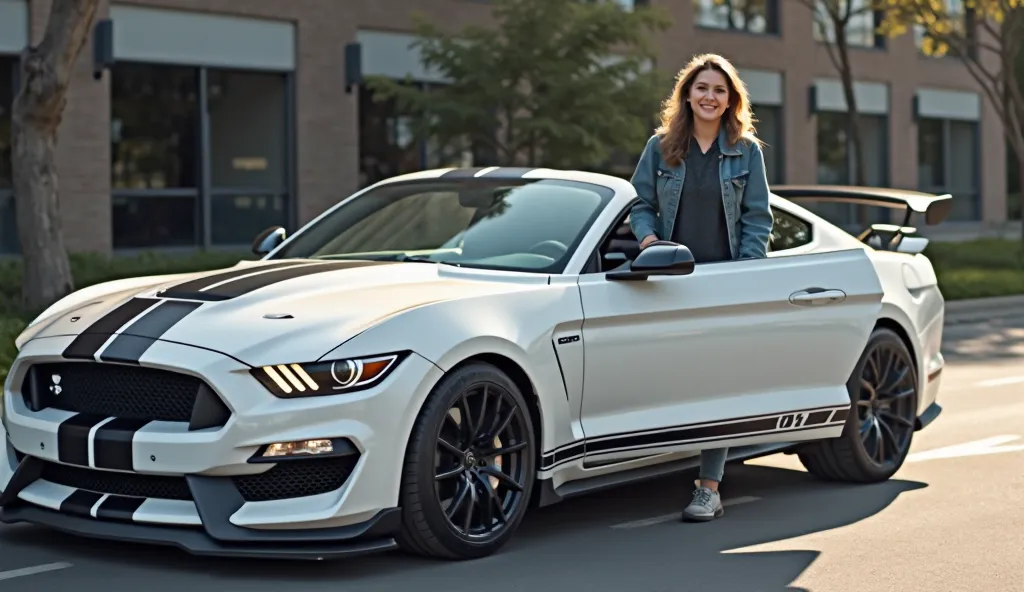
x,y
129,346
239,287
92,338
209,280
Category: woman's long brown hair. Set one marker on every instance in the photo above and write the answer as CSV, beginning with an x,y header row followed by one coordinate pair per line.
x,y
676,127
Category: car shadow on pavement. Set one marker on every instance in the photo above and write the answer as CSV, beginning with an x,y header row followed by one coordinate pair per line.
x,y
568,546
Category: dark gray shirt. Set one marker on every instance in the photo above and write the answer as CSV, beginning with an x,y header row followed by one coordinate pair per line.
x,y
700,220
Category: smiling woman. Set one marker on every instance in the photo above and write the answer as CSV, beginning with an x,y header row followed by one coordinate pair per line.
x,y
515,225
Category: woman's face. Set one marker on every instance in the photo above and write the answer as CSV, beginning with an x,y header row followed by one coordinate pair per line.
x,y
709,95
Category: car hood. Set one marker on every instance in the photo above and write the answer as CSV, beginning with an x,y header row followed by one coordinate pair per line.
x,y
269,313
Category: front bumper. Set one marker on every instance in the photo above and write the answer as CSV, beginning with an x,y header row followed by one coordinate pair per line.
x,y
161,482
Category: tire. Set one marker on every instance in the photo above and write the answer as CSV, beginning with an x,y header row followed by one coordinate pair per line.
x,y
426,529
851,457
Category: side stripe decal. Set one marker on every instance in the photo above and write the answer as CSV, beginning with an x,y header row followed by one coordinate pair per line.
x,y
793,421
135,339
98,442
86,345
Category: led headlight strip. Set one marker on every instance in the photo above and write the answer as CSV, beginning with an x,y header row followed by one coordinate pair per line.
x,y
327,377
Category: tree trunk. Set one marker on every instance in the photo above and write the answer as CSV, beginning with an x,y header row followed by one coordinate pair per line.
x,y
856,143
36,116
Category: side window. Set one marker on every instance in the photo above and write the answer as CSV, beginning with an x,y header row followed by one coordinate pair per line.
x,y
617,248
789,232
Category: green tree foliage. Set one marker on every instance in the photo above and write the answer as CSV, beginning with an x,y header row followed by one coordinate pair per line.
x,y
558,83
986,35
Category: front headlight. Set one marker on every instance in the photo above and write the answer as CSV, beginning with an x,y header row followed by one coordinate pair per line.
x,y
333,377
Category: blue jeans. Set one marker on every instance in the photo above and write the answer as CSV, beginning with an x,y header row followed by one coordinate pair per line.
x,y
712,464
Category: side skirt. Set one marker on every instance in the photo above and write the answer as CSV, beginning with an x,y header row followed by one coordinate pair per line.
x,y
549,494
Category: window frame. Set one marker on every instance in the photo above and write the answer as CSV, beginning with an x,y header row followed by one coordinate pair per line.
x,y
974,193
773,13
205,192
812,234
7,194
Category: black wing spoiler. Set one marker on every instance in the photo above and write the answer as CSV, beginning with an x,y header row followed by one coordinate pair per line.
x,y
935,208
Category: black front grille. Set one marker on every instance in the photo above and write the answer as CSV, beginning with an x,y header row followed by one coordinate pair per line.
x,y
127,484
112,390
296,478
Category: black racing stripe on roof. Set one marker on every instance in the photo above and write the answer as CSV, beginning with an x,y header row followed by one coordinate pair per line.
x,y
493,173
462,173
508,172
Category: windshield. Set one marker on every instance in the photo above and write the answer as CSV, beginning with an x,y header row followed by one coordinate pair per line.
x,y
518,225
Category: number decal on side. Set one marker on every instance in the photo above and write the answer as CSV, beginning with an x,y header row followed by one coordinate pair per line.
x,y
791,420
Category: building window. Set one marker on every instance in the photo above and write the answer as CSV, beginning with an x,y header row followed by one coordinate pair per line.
x,y
962,19
836,165
180,179
751,16
388,146
947,162
769,129
8,220
248,163
861,30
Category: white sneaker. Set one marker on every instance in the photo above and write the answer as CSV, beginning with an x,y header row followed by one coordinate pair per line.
x,y
706,505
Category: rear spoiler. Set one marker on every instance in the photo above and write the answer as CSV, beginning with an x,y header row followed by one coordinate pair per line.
x,y
935,208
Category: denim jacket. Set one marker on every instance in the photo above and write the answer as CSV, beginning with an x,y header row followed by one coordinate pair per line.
x,y
744,195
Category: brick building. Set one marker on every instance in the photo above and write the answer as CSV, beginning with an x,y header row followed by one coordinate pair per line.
x,y
221,117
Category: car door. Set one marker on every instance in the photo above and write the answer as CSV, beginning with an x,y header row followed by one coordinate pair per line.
x,y
736,353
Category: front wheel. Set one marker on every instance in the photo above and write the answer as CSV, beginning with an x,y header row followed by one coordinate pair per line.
x,y
880,426
469,467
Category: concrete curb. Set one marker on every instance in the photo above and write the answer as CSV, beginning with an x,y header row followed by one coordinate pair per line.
x,y
983,309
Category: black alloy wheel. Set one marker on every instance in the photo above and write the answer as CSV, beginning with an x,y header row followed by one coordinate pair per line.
x,y
470,466
886,407
882,419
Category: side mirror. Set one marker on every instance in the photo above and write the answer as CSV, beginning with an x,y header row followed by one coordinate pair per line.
x,y
659,258
268,240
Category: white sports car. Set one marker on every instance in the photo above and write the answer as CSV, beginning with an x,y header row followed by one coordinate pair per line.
x,y
436,353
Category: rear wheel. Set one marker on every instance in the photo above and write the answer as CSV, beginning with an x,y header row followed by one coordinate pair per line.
x,y
880,426
469,467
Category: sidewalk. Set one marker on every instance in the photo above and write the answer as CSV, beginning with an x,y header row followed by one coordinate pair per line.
x,y
983,309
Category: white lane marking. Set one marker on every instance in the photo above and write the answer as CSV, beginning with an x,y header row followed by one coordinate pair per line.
x,y
1000,381
993,445
670,517
31,571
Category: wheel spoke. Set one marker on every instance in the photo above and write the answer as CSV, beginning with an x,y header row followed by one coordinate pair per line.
x,y
900,394
901,375
505,450
449,474
493,503
467,521
460,497
880,445
481,417
467,419
866,385
449,447
505,421
887,434
888,415
503,477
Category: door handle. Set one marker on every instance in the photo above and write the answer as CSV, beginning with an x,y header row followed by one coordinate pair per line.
x,y
816,297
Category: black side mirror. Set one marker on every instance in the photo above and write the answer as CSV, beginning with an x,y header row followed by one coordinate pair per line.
x,y
659,258
268,240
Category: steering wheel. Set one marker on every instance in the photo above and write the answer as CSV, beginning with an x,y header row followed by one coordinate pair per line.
x,y
552,246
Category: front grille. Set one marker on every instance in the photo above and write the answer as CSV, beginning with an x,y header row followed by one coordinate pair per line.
x,y
296,478
112,390
127,484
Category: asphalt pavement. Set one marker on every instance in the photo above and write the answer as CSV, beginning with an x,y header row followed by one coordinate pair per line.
x,y
951,520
